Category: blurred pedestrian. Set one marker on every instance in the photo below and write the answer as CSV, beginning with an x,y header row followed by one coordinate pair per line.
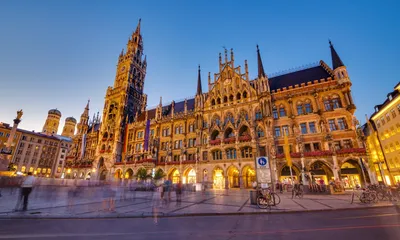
x,y
26,189
179,192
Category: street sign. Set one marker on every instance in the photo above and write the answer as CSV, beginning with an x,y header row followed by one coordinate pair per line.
x,y
262,162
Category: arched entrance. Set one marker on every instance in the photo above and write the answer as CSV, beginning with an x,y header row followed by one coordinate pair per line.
x,y
218,178
128,174
233,177
118,174
103,175
101,162
320,173
88,175
351,174
285,174
189,176
248,176
175,176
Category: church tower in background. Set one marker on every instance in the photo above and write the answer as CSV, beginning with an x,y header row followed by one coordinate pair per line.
x,y
122,102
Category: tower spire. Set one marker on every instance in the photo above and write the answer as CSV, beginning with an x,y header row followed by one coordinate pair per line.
x,y
199,90
261,72
86,112
138,26
336,61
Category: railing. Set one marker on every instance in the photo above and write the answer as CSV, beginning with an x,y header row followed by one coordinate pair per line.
x,y
230,140
215,142
351,150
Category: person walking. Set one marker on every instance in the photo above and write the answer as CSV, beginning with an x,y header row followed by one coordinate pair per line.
x,y
179,192
26,189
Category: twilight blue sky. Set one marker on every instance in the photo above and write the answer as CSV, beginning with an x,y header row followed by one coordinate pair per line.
x,y
58,54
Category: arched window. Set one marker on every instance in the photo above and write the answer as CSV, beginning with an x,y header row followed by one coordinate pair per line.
x,y
215,120
282,111
218,100
300,110
225,99
244,94
229,118
213,102
231,153
308,107
244,115
258,114
231,98
238,96
275,113
260,132
214,135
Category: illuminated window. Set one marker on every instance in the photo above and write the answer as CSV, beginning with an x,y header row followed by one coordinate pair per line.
x,y
383,121
387,117
23,168
386,149
397,145
392,131
378,124
393,113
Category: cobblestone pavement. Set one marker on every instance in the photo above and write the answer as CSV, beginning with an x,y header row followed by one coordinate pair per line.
x,y
91,202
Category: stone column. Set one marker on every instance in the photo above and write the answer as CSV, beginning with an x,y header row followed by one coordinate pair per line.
x,y
335,167
241,184
6,158
346,96
226,182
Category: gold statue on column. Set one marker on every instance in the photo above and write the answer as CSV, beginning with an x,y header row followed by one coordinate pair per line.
x,y
19,114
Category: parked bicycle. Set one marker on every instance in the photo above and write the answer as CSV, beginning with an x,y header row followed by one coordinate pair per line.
x,y
297,191
264,198
366,196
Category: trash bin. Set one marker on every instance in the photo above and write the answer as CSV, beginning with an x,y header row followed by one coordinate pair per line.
x,y
253,197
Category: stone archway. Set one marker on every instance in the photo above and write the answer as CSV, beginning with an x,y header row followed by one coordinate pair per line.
x,y
128,174
103,174
285,176
88,175
351,174
233,177
175,176
320,172
118,174
189,176
218,178
248,176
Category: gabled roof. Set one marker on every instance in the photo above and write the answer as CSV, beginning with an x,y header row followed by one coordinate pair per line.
x,y
298,77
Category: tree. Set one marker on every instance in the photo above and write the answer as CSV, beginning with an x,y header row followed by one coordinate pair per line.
x,y
142,174
159,174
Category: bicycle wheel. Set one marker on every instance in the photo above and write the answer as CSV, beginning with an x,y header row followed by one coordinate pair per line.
x,y
262,203
363,198
275,199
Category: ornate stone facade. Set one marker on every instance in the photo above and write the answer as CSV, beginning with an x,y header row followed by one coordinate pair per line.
x,y
215,137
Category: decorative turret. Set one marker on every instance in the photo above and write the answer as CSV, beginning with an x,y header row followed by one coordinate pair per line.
x,y
159,110
199,90
339,69
52,122
69,127
262,77
83,124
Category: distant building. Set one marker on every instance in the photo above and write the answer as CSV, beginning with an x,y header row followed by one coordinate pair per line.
x,y
386,120
5,130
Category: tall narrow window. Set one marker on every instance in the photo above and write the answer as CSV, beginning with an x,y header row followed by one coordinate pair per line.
x,y
336,103
327,105
342,123
311,126
332,125
282,112
308,107
275,113
277,131
285,130
303,127
300,109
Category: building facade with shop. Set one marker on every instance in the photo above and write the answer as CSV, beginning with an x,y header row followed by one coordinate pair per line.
x,y
386,130
215,136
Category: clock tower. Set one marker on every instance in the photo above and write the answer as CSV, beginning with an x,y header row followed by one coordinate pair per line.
x,y
122,102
